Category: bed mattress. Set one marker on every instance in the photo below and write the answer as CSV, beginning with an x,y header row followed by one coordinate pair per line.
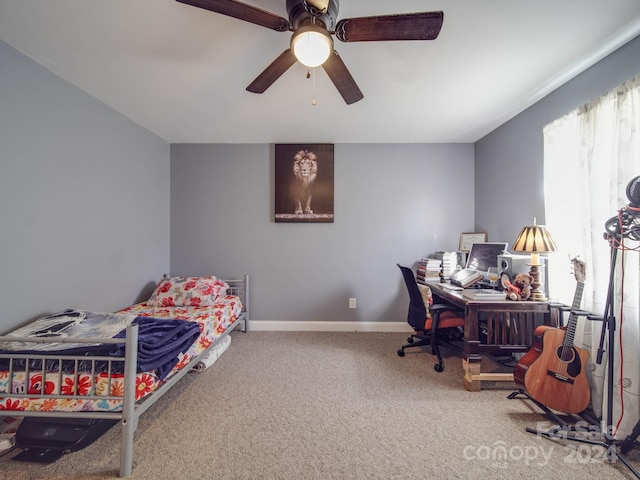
x,y
100,386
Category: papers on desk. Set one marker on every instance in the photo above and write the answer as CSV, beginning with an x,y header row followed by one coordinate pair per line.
x,y
450,287
483,294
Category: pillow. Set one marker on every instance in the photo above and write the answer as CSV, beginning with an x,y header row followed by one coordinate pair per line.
x,y
187,292
426,297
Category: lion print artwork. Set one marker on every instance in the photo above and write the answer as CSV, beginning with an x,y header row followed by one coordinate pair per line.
x,y
305,170
303,183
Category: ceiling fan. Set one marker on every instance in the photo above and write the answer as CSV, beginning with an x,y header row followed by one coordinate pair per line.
x,y
314,21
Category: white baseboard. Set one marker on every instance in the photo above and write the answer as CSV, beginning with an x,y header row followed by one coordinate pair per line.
x,y
326,326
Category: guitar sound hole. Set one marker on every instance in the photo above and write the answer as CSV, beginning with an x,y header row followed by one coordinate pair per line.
x,y
565,354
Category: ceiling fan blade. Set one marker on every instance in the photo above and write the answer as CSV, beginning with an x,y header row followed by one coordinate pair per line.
x,y
272,72
342,79
409,26
242,11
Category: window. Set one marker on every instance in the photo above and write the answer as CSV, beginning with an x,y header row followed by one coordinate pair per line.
x,y
590,155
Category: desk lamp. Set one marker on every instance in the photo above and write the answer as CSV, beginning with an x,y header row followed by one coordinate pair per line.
x,y
535,239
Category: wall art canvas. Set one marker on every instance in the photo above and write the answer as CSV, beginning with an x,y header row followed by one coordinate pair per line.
x,y
304,183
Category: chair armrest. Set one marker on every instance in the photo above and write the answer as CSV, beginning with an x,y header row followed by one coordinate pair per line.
x,y
438,308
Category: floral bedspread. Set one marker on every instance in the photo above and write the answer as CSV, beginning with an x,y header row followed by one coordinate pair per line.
x,y
87,391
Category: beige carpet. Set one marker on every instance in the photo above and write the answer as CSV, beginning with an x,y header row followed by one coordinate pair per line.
x,y
317,405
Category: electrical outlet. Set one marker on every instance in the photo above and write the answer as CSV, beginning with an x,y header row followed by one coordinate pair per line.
x,y
352,303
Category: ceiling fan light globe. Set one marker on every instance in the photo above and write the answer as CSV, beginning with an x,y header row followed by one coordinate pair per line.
x,y
311,46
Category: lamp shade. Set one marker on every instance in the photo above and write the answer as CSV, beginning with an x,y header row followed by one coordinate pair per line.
x,y
534,239
312,45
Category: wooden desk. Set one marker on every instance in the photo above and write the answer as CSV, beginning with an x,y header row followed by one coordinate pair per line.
x,y
493,326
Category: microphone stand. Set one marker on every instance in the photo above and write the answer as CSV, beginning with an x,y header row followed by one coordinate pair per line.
x,y
630,440
609,326
608,332
633,189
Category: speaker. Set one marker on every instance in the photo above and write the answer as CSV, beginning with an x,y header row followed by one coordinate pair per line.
x,y
514,264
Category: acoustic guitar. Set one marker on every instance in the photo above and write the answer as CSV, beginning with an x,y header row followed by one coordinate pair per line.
x,y
553,371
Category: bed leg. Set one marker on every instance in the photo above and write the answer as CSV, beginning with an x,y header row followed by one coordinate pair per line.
x,y
126,452
128,407
246,307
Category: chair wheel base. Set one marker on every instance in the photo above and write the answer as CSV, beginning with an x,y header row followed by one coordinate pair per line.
x,y
438,368
401,353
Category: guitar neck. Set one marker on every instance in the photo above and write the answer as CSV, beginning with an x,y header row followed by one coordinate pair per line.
x,y
573,317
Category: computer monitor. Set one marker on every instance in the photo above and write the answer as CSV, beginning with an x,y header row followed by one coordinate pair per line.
x,y
484,255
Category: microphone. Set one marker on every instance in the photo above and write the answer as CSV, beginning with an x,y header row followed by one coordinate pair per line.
x,y
633,192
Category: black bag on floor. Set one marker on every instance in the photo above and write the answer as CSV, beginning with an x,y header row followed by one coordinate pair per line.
x,y
46,439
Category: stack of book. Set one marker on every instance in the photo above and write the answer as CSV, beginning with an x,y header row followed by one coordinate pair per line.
x,y
428,269
449,263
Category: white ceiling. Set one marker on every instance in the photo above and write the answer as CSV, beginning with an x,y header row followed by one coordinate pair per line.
x,y
181,71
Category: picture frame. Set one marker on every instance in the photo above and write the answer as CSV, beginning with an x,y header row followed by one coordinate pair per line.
x,y
469,238
304,183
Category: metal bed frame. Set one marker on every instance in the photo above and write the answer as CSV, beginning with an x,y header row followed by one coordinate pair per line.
x,y
131,410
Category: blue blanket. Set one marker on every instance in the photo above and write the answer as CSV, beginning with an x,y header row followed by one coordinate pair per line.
x,y
160,342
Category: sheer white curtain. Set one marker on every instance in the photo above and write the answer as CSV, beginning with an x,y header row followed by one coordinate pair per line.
x,y
590,155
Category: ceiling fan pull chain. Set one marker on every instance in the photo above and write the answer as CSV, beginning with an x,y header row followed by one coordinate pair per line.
x,y
313,100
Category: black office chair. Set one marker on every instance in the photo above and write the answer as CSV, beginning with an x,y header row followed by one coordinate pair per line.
x,y
440,321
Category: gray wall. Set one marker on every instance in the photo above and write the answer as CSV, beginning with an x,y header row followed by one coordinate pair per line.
x,y
84,198
509,161
389,208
